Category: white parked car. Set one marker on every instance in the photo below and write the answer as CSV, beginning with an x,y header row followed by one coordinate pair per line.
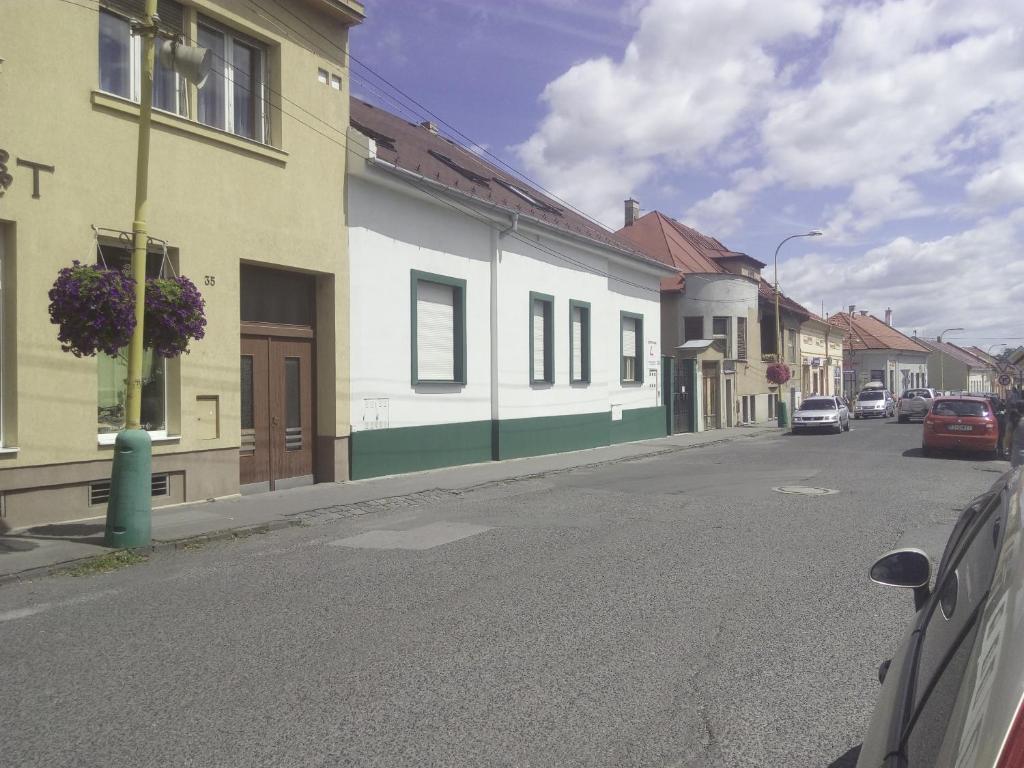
x,y
914,403
822,412
874,402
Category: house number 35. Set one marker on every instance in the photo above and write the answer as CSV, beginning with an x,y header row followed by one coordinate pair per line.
x,y
209,280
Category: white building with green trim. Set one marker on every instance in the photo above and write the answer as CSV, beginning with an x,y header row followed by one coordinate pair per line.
x,y
488,320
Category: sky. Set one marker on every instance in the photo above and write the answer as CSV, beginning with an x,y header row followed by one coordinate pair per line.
x,y
895,127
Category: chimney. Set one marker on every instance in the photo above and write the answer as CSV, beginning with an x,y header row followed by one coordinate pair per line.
x,y
429,126
853,307
632,211
888,317
863,313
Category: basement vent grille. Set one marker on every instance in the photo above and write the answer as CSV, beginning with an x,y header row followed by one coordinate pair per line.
x,y
99,491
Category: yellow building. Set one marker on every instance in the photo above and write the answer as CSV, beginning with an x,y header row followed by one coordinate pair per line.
x,y
821,358
246,198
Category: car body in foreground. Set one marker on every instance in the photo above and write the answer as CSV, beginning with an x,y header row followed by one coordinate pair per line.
x,y
873,402
952,693
822,412
914,404
962,424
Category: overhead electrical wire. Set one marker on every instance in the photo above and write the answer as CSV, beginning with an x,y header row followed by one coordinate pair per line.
x,y
455,206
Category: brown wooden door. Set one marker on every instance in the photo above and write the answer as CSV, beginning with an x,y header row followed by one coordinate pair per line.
x,y
277,411
254,454
291,409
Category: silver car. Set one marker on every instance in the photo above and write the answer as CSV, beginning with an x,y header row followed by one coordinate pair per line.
x,y
873,402
952,694
822,412
914,404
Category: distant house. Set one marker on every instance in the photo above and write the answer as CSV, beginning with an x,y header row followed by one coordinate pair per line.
x,y
821,358
489,321
875,351
954,368
709,323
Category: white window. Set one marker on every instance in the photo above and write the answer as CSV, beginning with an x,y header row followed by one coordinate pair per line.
x,y
120,58
438,329
435,332
233,97
112,372
541,339
632,341
335,82
322,76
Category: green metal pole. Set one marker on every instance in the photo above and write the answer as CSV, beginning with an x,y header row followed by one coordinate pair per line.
x,y
129,512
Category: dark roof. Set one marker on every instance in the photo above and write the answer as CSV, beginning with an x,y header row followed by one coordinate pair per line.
x,y
766,293
954,352
982,355
421,150
868,332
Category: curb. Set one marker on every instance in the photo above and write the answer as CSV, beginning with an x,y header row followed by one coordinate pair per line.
x,y
172,545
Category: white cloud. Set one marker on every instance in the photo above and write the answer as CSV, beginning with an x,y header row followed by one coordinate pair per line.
x,y
969,280
678,93
883,116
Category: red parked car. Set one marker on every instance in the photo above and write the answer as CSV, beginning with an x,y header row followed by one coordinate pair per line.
x,y
960,423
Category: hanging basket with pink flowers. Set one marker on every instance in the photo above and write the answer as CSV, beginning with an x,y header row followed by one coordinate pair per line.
x,y
778,373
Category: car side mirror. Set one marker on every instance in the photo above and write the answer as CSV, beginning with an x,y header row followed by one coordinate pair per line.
x,y
909,567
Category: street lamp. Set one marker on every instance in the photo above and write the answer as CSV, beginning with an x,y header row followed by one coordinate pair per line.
x,y
778,322
942,373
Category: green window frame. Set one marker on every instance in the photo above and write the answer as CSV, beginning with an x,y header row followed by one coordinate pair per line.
x,y
458,326
548,363
582,376
634,361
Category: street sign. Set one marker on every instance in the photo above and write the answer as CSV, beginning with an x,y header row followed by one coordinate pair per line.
x,y
1006,379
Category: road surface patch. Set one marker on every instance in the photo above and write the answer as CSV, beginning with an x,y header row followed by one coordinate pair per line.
x,y
424,537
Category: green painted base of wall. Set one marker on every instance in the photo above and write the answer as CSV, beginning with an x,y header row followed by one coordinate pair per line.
x,y
551,434
379,452
411,449
639,424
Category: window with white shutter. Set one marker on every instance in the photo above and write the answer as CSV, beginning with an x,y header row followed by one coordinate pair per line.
x,y
438,329
579,342
541,339
632,342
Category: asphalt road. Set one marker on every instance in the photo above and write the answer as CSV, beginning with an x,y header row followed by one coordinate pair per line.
x,y
672,610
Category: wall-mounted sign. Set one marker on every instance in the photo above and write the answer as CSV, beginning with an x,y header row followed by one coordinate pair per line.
x,y
6,179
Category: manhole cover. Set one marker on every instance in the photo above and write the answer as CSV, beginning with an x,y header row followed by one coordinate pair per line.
x,y
805,490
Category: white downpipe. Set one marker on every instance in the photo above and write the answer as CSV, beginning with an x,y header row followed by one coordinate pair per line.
x,y
496,237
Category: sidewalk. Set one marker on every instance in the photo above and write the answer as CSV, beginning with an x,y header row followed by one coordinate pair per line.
x,y
31,553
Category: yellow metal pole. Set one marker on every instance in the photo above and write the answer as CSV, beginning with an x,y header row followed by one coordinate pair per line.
x,y
140,235
129,509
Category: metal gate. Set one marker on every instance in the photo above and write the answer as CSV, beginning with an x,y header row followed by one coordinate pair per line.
x,y
682,397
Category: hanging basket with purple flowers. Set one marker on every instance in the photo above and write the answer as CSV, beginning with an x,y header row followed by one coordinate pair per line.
x,y
175,315
94,309
777,373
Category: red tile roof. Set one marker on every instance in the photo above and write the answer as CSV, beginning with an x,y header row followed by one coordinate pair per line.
x,y
868,332
692,252
422,151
